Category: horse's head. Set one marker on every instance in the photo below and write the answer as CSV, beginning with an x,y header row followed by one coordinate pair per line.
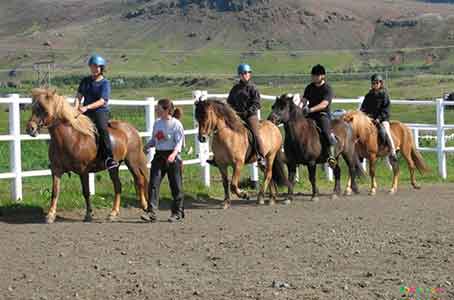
x,y
205,116
282,107
43,110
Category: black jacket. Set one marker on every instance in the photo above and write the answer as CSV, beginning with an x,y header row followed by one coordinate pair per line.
x,y
377,105
244,98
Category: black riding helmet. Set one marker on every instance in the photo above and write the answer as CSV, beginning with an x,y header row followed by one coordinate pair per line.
x,y
376,77
318,70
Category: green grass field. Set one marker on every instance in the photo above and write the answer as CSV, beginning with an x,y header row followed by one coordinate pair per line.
x,y
34,153
214,69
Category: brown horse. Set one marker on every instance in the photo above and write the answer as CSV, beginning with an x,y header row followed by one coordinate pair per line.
x,y
231,147
303,145
73,148
368,147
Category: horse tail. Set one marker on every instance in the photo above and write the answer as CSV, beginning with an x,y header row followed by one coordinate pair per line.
x,y
359,170
419,160
279,175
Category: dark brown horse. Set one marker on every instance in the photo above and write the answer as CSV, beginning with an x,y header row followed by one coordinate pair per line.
x,y
73,148
231,147
303,145
368,147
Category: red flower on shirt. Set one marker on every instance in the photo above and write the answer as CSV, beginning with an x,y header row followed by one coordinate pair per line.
x,y
160,135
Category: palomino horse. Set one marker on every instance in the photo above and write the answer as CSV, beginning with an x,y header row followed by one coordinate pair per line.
x,y
303,145
73,148
231,147
368,147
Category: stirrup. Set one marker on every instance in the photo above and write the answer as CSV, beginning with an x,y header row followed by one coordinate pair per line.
x,y
111,164
332,162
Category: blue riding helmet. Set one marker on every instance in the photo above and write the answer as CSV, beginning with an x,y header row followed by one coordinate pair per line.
x,y
96,60
242,68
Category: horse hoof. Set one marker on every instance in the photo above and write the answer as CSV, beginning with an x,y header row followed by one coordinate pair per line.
x,y
416,187
315,199
260,202
113,218
88,218
50,218
272,202
372,193
348,193
287,202
334,197
392,192
244,196
226,206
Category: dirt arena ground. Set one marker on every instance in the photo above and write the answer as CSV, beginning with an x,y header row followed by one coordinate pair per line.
x,y
352,248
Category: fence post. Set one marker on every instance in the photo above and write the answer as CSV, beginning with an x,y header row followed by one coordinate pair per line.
x,y
416,137
441,139
254,170
328,172
15,147
91,183
149,122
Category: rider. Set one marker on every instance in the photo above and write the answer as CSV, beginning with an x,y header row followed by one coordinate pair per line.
x,y
95,92
376,105
319,95
244,98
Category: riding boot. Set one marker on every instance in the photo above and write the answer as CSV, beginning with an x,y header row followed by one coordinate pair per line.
x,y
212,162
385,126
332,161
254,123
392,154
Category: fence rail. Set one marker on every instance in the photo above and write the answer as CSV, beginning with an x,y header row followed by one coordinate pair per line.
x,y
16,174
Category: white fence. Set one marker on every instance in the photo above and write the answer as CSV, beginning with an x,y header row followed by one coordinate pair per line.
x,y
202,149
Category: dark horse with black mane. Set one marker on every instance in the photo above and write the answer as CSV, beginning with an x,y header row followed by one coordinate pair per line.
x,y
303,144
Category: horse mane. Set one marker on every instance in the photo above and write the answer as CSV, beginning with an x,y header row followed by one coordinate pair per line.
x,y
225,111
62,110
362,125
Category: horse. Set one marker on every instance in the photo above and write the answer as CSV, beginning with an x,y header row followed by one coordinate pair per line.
x,y
303,145
231,147
73,148
366,134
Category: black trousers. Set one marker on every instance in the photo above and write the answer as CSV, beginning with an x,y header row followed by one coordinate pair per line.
x,y
324,122
159,168
101,120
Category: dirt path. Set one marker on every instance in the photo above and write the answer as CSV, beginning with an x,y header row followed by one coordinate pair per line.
x,y
355,248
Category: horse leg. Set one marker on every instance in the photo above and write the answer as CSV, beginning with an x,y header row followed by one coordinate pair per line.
x,y
373,182
52,213
235,180
312,168
114,176
406,153
266,181
337,179
291,178
351,186
140,180
86,192
225,184
396,174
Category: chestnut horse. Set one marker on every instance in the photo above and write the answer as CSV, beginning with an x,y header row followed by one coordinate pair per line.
x,y
73,148
368,147
231,147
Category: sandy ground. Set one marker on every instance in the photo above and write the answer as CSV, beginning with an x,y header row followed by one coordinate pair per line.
x,y
352,248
